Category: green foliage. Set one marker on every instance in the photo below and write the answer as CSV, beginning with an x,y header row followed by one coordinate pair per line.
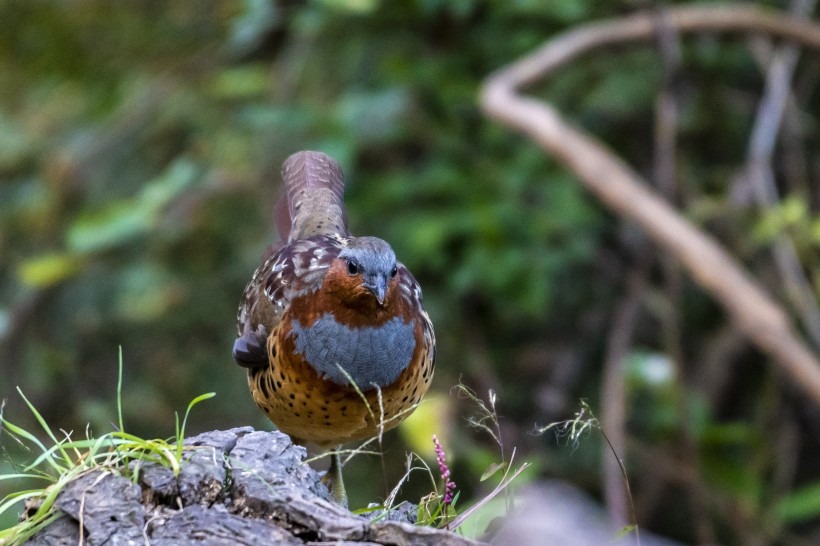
x,y
801,505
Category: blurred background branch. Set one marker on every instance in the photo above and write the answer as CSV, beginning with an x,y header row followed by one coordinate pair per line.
x,y
763,320
607,176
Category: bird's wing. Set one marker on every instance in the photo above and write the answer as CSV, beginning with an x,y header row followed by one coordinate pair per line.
x,y
293,270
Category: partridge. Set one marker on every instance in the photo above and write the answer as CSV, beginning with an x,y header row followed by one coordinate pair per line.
x,y
331,328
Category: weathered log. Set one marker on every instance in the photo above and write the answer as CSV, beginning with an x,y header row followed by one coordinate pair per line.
x,y
237,486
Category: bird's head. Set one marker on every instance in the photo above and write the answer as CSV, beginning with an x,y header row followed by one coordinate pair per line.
x,y
364,272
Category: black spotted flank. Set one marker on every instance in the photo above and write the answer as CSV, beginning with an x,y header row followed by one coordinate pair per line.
x,y
263,386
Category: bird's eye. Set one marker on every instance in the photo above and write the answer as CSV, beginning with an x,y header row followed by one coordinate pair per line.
x,y
352,267
394,271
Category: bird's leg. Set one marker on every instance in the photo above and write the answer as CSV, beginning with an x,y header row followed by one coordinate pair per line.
x,y
333,479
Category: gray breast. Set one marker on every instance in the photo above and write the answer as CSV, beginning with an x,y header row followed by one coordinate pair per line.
x,y
370,355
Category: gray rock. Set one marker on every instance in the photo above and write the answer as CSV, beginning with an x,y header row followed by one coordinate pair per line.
x,y
554,512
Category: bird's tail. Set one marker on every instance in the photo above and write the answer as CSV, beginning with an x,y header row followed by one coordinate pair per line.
x,y
312,203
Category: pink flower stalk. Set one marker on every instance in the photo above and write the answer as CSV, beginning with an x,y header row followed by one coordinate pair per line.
x,y
449,486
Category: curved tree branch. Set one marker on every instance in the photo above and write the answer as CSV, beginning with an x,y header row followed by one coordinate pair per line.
x,y
757,315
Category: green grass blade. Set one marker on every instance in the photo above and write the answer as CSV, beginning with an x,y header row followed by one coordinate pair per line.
x,y
169,456
18,431
43,424
369,509
123,437
178,436
194,402
23,531
181,431
23,477
51,492
119,393
48,457
18,496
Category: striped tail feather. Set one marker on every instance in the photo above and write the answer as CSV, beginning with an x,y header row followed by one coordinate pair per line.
x,y
314,186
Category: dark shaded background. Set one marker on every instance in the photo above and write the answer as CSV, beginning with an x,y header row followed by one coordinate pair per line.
x,y
140,145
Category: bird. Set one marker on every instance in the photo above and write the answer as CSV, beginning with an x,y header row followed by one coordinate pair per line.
x,y
331,328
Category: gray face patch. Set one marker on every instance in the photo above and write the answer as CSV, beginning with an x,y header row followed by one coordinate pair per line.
x,y
371,355
372,255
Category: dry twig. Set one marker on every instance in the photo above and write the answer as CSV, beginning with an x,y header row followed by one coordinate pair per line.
x,y
613,397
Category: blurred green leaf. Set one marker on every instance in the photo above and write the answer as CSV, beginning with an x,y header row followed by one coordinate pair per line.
x,y
117,224
815,231
741,480
241,82
360,7
125,220
726,434
492,470
49,269
625,531
800,505
791,212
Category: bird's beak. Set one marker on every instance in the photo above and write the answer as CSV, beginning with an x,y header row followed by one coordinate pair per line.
x,y
378,286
